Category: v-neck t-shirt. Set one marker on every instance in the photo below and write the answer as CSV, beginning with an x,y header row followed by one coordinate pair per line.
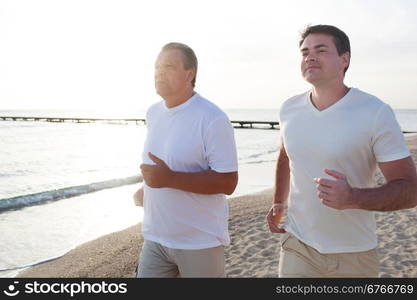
x,y
351,137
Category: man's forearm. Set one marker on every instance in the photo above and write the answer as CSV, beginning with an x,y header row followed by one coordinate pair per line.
x,y
395,195
282,178
207,182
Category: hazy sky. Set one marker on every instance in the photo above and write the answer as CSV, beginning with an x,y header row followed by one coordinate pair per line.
x,y
97,54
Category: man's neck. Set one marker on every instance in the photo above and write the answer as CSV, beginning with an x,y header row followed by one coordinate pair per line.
x,y
324,96
175,100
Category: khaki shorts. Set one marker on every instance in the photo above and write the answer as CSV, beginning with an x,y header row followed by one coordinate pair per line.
x,y
160,261
300,260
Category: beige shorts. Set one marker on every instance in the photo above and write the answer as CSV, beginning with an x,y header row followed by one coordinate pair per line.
x,y
300,260
160,261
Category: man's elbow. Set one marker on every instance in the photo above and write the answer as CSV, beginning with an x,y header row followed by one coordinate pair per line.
x,y
412,194
230,183
414,203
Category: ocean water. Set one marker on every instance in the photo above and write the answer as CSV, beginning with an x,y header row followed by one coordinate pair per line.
x,y
42,162
45,161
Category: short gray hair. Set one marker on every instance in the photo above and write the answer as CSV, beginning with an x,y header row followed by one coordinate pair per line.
x,y
190,59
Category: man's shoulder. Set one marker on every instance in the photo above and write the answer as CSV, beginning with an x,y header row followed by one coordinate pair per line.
x,y
155,107
365,99
294,101
206,107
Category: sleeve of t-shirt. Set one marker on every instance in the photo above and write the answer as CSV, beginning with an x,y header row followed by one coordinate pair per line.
x,y
220,146
280,118
148,121
388,139
143,158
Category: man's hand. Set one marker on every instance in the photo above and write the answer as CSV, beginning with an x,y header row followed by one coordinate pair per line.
x,y
158,175
274,217
138,197
335,193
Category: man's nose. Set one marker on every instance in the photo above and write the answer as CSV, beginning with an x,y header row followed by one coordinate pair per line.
x,y
159,74
159,70
310,57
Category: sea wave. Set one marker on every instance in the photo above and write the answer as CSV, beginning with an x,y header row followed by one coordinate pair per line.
x,y
53,195
258,157
20,201
260,161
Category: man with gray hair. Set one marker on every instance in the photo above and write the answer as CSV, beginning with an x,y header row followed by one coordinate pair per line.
x,y
189,165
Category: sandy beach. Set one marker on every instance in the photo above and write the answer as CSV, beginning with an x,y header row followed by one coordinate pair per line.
x,y
253,251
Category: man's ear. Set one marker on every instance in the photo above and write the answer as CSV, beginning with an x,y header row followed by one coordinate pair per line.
x,y
191,74
346,59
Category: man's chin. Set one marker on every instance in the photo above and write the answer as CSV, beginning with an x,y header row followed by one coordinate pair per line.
x,y
162,92
311,79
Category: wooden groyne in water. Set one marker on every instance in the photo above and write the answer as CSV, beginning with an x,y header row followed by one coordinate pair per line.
x,y
236,124
74,120
254,124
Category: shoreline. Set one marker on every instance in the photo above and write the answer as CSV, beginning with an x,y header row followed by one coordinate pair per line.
x,y
115,254
38,234
253,251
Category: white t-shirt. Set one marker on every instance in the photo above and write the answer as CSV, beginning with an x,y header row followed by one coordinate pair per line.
x,y
192,137
350,136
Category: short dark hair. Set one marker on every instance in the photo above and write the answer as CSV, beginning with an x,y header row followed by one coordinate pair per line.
x,y
340,39
190,59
